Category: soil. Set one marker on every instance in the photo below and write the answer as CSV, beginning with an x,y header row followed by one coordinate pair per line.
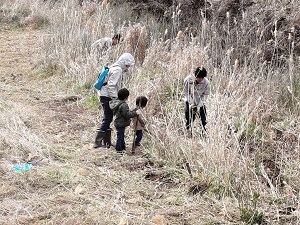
x,y
45,123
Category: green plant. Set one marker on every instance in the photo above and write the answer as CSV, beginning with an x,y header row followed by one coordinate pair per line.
x,y
23,12
91,102
39,21
85,85
62,175
252,217
20,13
248,129
290,94
250,214
47,70
60,154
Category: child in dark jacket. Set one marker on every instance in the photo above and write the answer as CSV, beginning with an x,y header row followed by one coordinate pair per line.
x,y
122,117
139,122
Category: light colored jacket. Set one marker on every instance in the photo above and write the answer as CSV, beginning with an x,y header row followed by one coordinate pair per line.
x,y
104,42
115,76
139,122
196,93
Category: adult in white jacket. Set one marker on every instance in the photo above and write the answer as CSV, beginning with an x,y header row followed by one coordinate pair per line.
x,y
111,85
196,90
104,44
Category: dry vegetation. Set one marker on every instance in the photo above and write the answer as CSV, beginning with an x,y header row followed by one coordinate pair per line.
x,y
246,171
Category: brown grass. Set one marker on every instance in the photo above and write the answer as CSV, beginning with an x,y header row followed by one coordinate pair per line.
x,y
247,164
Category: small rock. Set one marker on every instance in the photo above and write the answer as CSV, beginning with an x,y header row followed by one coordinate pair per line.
x,y
79,189
159,220
82,172
123,221
133,201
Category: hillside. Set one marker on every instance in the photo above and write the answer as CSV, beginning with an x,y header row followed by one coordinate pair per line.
x,y
245,171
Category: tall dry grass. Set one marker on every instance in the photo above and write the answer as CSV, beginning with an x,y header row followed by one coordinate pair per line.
x,y
252,100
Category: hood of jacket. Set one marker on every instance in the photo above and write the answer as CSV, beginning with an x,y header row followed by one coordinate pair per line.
x,y
124,60
114,104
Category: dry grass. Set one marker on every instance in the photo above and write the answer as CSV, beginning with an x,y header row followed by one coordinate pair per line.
x,y
245,171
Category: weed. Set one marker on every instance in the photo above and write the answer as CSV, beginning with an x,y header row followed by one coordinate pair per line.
x,y
47,70
60,155
23,12
250,214
252,217
92,102
64,176
290,95
39,21
86,85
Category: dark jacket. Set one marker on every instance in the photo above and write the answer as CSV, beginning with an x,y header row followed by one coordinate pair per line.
x,y
122,113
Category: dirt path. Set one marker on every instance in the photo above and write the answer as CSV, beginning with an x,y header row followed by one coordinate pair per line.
x,y
42,123
43,104
18,48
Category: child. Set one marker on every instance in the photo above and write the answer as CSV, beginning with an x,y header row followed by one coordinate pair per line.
x,y
139,122
122,117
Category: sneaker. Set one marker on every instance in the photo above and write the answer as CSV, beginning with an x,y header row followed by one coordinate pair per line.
x,y
137,144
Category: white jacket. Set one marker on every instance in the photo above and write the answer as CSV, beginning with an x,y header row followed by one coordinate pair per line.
x,y
115,76
196,93
106,41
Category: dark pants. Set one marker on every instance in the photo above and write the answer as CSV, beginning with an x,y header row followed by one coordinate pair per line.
x,y
120,145
108,114
139,136
190,115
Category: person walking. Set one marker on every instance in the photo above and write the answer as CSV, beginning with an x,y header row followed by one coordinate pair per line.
x,y
109,90
123,117
196,90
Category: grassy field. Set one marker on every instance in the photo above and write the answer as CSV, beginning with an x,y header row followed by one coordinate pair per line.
x,y
246,171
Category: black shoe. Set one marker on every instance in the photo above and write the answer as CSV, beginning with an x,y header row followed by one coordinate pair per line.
x,y
99,139
107,138
119,148
189,134
137,144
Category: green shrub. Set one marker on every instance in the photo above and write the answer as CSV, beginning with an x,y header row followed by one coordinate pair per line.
x,y
290,95
252,217
91,102
47,70
39,22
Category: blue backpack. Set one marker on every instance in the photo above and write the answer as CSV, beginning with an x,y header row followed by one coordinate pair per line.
x,y
99,82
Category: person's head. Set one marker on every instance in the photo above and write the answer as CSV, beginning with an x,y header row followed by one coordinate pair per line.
x,y
123,94
141,101
116,39
125,61
200,73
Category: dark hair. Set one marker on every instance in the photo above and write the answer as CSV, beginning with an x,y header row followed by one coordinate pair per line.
x,y
117,36
200,72
141,101
123,94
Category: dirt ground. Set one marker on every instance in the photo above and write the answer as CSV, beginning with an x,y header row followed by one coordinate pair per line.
x,y
43,122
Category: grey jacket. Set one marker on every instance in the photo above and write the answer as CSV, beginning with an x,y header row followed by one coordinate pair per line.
x,y
196,93
115,76
122,113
